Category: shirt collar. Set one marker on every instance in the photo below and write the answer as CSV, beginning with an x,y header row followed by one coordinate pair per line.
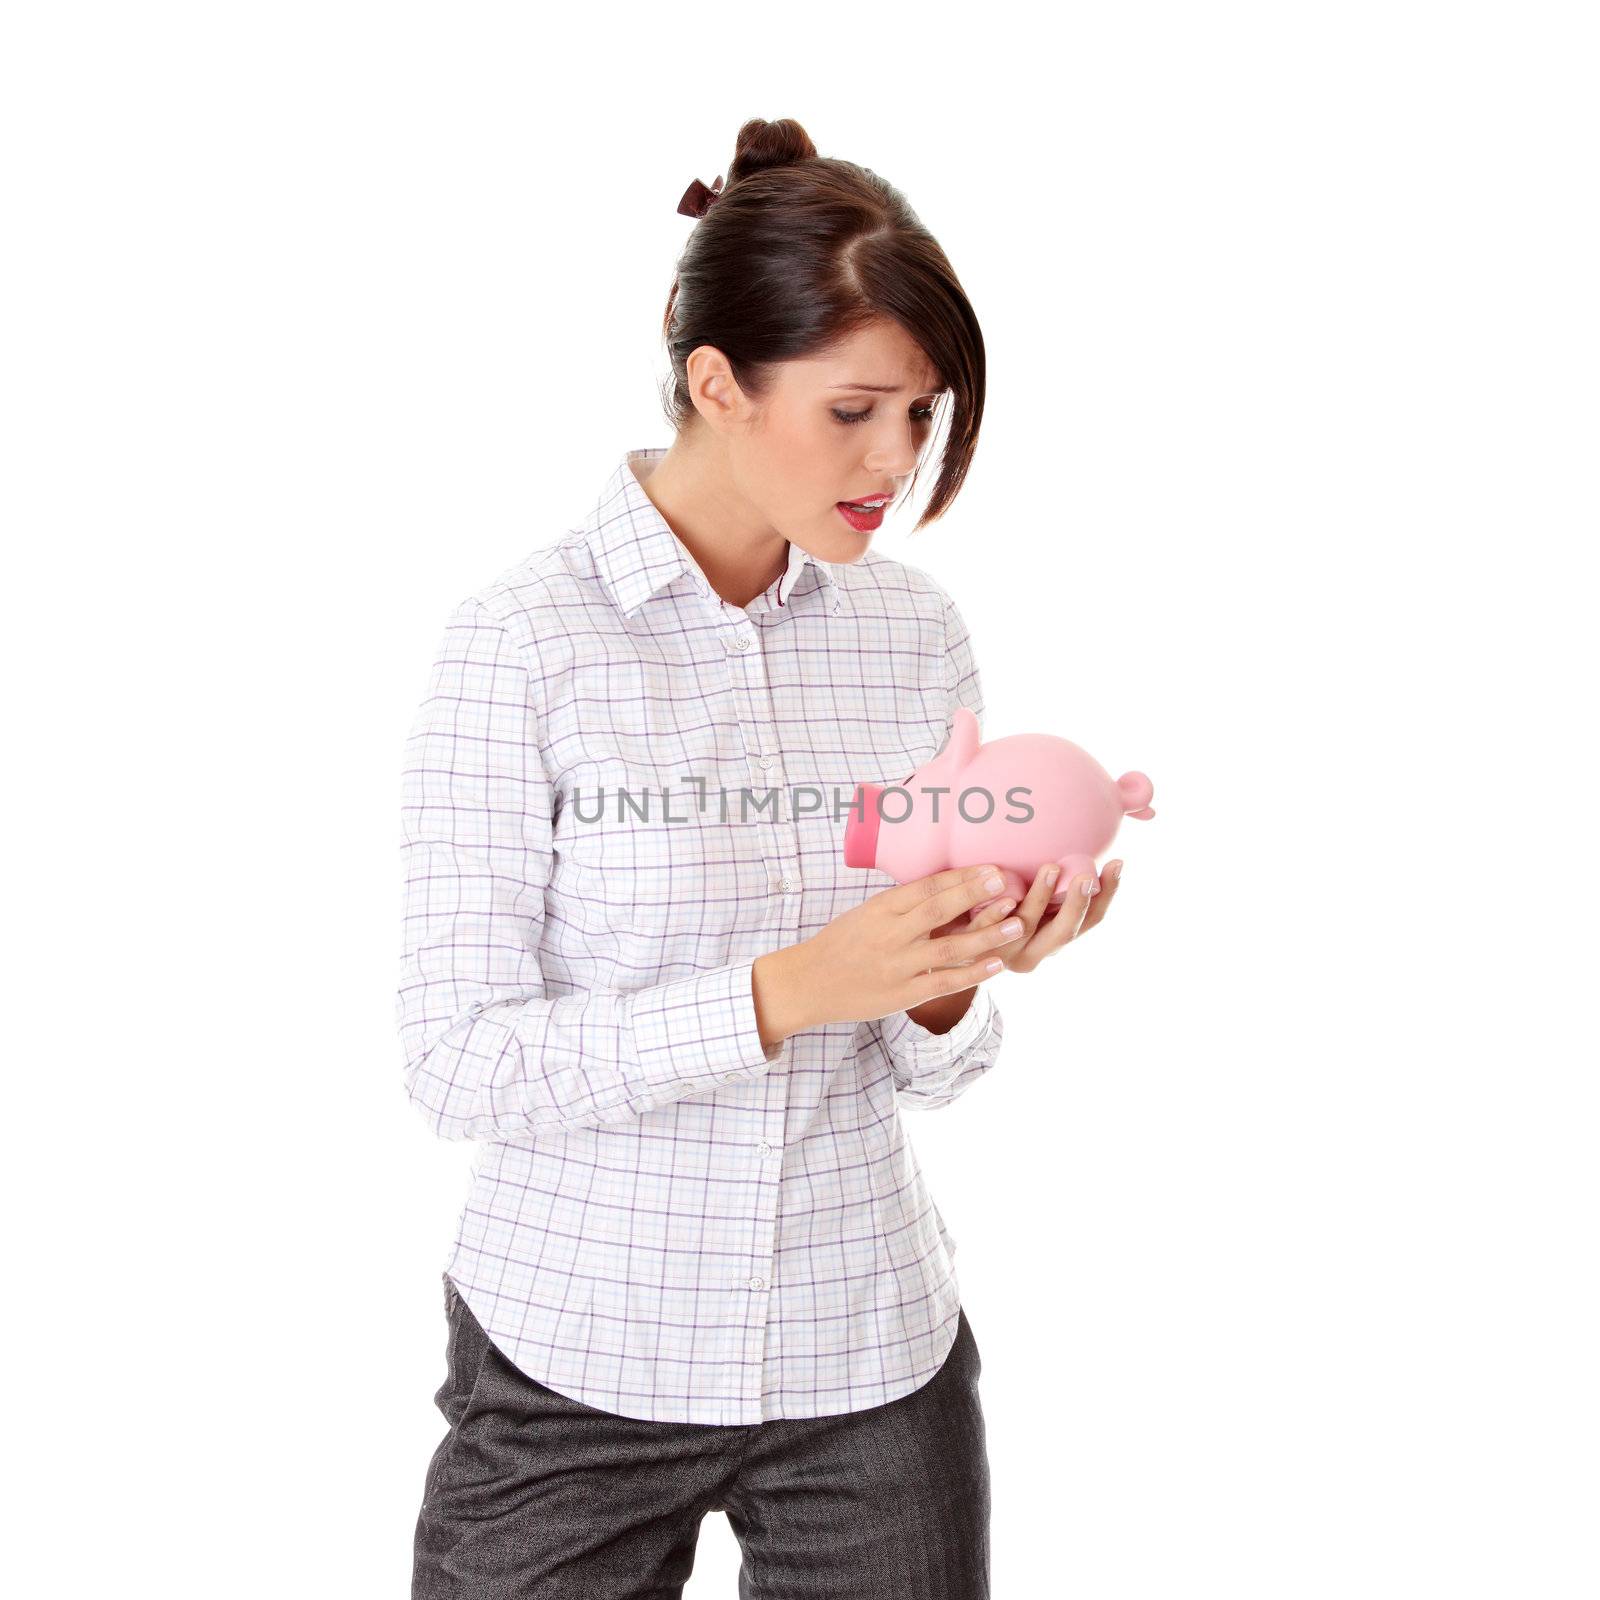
x,y
636,553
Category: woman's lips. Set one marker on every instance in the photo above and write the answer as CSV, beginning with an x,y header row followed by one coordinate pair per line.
x,y
861,521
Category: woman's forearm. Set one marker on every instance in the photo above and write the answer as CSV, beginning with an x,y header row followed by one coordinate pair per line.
x,y
784,995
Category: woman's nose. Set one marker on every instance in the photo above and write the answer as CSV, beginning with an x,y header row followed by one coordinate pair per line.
x,y
897,464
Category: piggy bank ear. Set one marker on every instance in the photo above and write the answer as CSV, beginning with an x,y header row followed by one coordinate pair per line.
x,y
1136,792
962,745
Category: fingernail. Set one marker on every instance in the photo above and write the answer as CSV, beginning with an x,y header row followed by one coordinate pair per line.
x,y
1012,928
993,966
1051,874
994,885
1115,869
1090,888
1003,906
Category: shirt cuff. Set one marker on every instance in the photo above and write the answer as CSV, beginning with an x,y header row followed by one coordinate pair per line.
x,y
921,1050
702,1031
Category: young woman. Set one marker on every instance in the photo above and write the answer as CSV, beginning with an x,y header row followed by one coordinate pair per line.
x,y
698,1268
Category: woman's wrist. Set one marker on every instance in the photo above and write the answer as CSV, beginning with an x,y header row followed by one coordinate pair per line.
x,y
782,994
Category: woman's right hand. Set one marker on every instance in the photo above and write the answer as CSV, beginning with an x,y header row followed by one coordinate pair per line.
x,y
878,958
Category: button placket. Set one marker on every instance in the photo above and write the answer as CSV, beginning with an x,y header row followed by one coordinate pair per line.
x,y
760,733
759,730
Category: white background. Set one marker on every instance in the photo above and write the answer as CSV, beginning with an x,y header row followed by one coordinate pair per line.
x,y
1276,1221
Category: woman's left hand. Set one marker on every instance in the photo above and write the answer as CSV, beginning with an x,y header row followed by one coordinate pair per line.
x,y
1045,927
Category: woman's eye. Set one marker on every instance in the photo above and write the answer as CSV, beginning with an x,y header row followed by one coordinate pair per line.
x,y
921,413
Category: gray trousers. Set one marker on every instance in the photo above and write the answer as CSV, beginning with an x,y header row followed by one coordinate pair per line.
x,y
533,1495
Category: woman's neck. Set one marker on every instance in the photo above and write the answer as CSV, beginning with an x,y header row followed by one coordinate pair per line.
x,y
715,524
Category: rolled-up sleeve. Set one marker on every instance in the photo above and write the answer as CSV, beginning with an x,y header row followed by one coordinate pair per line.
x,y
931,1069
487,1053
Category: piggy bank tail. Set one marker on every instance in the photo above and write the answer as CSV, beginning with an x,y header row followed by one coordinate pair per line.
x,y
1137,791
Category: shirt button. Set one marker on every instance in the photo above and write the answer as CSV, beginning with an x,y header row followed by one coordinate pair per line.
x,y
741,641
764,762
728,1077
786,885
763,1149
758,1283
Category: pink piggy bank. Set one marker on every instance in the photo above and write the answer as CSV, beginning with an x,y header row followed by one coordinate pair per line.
x,y
1018,802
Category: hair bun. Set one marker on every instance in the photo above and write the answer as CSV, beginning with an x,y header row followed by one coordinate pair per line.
x,y
763,144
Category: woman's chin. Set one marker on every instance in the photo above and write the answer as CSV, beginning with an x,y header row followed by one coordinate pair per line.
x,y
842,544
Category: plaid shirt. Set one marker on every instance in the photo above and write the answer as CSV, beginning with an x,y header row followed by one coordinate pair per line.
x,y
666,1220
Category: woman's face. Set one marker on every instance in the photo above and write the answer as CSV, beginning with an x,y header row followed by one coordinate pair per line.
x,y
822,436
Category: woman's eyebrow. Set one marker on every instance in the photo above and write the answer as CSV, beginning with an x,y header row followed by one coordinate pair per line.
x,y
879,388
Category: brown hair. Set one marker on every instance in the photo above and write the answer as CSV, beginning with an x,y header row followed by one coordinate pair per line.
x,y
798,252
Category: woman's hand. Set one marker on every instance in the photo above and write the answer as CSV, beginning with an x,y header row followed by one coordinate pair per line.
x,y
884,955
1046,928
